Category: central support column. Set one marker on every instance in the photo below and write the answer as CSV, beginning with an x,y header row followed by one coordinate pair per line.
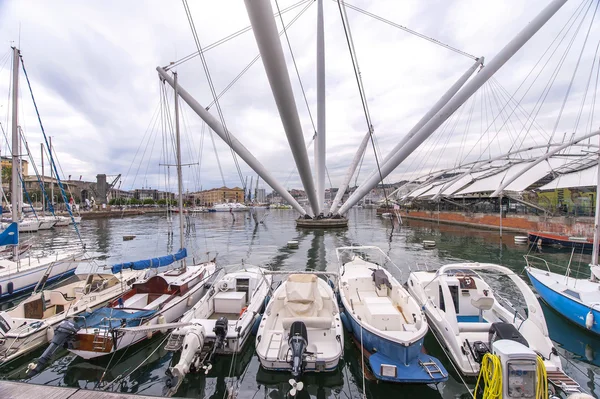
x,y
320,146
267,39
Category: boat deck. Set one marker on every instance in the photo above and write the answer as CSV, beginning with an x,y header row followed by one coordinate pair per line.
x,y
19,390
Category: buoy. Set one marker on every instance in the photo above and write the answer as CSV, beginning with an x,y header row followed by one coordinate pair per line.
x,y
521,239
589,320
292,244
161,320
428,243
10,288
49,333
190,301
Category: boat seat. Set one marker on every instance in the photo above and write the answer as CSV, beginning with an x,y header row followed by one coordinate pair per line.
x,y
155,303
474,327
482,302
57,298
309,322
382,314
137,301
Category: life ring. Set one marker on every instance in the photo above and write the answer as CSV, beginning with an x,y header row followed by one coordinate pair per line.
x,y
243,311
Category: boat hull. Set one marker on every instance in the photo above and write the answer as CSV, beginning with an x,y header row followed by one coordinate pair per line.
x,y
27,278
407,359
558,240
570,309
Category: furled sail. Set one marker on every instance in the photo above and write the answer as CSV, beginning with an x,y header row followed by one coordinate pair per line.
x,y
151,263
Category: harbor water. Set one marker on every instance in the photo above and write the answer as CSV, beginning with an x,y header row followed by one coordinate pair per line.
x,y
236,238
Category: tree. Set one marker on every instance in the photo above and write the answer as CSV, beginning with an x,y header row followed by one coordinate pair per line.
x,y
148,201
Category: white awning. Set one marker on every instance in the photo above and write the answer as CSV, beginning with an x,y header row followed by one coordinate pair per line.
x,y
583,178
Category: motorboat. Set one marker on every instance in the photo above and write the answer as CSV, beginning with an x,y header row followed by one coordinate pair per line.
x,y
467,315
384,319
162,298
230,207
577,299
301,330
221,323
33,322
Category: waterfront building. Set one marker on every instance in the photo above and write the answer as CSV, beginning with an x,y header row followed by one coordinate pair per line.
x,y
219,195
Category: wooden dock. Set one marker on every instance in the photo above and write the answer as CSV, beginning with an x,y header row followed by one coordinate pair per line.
x,y
19,390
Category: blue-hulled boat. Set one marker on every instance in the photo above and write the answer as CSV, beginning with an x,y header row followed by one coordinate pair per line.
x,y
384,319
578,300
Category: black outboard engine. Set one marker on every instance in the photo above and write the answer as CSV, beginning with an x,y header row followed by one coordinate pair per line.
x,y
297,342
65,331
220,330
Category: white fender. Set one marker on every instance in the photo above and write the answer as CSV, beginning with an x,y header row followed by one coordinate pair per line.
x,y
589,320
190,301
161,320
192,343
49,333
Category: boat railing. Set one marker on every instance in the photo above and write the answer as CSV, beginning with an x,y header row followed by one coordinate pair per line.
x,y
421,266
533,260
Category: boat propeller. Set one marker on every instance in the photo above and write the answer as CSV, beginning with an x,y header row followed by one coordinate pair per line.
x,y
296,386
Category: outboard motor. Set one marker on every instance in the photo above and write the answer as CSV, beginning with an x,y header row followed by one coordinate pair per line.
x,y
193,342
65,331
220,330
297,342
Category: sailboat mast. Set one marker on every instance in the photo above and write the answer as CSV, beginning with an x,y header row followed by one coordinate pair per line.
x,y
51,174
179,178
596,220
14,193
14,190
43,183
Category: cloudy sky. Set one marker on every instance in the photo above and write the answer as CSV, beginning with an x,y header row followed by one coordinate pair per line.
x,y
92,68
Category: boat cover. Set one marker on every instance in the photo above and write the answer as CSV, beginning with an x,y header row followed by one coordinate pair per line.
x,y
10,235
151,263
113,318
302,295
380,279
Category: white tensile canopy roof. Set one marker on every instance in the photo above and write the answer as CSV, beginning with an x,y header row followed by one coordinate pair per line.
x,y
582,178
492,182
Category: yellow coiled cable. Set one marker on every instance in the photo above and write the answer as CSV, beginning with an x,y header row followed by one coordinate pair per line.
x,y
491,370
541,390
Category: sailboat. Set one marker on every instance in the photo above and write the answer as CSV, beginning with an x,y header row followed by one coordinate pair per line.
x,y
21,274
33,322
576,299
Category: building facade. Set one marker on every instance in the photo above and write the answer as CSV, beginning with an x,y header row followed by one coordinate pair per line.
x,y
221,195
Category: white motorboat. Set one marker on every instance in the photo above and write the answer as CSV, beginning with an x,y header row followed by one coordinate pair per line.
x,y
468,316
301,330
230,207
384,318
34,321
220,323
160,299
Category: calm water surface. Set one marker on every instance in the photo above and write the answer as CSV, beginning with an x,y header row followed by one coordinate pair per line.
x,y
141,368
